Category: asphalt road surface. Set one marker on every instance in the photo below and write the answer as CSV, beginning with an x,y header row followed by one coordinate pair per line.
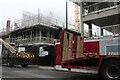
x,y
35,73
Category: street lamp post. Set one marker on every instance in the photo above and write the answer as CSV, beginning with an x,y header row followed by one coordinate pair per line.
x,y
66,14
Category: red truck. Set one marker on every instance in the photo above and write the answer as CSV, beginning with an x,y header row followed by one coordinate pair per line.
x,y
101,55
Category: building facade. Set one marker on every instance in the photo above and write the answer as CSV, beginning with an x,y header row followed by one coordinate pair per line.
x,y
103,14
37,37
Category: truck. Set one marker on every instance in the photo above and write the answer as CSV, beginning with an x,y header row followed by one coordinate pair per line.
x,y
11,56
100,55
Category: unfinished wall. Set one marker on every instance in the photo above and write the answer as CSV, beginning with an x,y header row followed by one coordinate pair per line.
x,y
72,46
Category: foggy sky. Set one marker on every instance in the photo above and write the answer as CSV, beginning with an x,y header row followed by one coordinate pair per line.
x,y
13,9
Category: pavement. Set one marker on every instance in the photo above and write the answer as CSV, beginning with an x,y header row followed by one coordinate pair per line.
x,y
42,67
46,67
59,68
36,72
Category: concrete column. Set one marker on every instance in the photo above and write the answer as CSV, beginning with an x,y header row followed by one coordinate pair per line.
x,y
48,34
40,35
37,34
9,39
90,29
81,21
31,34
23,36
51,35
26,35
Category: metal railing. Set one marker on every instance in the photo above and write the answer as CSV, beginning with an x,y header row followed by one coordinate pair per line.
x,y
10,40
97,7
103,32
33,40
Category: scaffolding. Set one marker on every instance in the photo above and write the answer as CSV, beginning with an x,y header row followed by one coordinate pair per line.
x,y
30,19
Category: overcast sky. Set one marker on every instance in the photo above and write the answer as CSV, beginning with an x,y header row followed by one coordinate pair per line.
x,y
13,9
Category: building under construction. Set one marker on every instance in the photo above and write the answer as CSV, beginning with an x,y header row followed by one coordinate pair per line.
x,y
103,14
36,34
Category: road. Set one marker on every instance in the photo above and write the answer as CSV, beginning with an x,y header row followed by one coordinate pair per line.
x,y
35,73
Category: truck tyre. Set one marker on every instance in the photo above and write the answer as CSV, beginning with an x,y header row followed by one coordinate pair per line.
x,y
10,63
24,65
111,70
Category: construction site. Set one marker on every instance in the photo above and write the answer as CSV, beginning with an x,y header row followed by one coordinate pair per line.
x,y
93,44
33,32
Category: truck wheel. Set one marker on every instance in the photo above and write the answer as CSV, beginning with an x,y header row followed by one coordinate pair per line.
x,y
10,63
24,65
111,70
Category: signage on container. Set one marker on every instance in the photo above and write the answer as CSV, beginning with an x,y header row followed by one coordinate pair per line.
x,y
42,53
113,49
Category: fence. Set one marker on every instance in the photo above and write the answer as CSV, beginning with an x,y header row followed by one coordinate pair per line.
x,y
103,32
10,40
33,40
98,7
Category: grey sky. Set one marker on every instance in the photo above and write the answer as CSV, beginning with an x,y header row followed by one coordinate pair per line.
x,y
13,9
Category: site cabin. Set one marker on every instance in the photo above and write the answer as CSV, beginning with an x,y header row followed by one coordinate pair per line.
x,y
11,56
101,55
